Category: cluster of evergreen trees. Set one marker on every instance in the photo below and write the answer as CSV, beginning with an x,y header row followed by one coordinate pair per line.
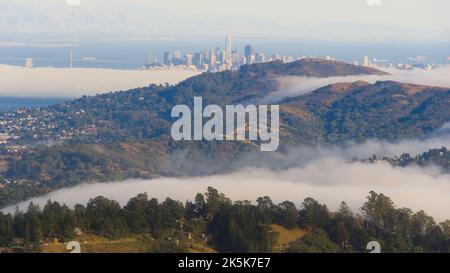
x,y
242,226
434,157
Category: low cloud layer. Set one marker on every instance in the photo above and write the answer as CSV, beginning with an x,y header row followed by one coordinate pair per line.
x,y
291,86
350,151
413,187
327,174
72,83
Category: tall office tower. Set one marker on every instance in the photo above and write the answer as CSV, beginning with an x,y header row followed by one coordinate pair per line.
x,y
197,60
366,61
29,62
212,60
176,59
189,60
177,54
259,57
235,58
251,59
151,59
249,51
228,52
167,58
222,55
218,53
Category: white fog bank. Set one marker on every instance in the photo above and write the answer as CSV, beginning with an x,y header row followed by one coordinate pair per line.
x,y
412,187
46,82
328,174
291,86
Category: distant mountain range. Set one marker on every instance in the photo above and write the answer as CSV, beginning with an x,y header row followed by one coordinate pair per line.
x,y
132,128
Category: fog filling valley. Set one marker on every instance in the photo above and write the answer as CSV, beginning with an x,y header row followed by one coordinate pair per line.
x,y
292,86
47,82
328,174
325,173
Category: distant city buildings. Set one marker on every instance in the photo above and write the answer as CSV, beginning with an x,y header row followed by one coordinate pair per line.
x,y
212,59
216,59
29,63
259,57
189,60
228,51
167,58
176,60
197,60
366,61
385,63
225,58
235,57
249,54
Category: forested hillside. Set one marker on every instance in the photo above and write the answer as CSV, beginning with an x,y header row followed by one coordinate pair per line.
x,y
126,134
211,221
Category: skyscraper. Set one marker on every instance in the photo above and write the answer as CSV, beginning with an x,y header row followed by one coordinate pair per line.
x,y
222,56
212,60
259,57
236,57
167,58
177,54
366,61
228,59
29,63
197,60
176,59
249,52
189,60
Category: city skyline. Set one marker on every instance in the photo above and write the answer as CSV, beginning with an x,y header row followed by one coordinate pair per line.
x,y
216,58
219,59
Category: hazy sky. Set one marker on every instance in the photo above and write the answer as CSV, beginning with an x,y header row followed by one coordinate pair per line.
x,y
393,20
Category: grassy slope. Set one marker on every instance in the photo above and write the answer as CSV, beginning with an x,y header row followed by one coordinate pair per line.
x,y
136,244
133,244
139,244
286,236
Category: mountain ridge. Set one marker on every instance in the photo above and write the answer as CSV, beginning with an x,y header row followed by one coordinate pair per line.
x,y
126,134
